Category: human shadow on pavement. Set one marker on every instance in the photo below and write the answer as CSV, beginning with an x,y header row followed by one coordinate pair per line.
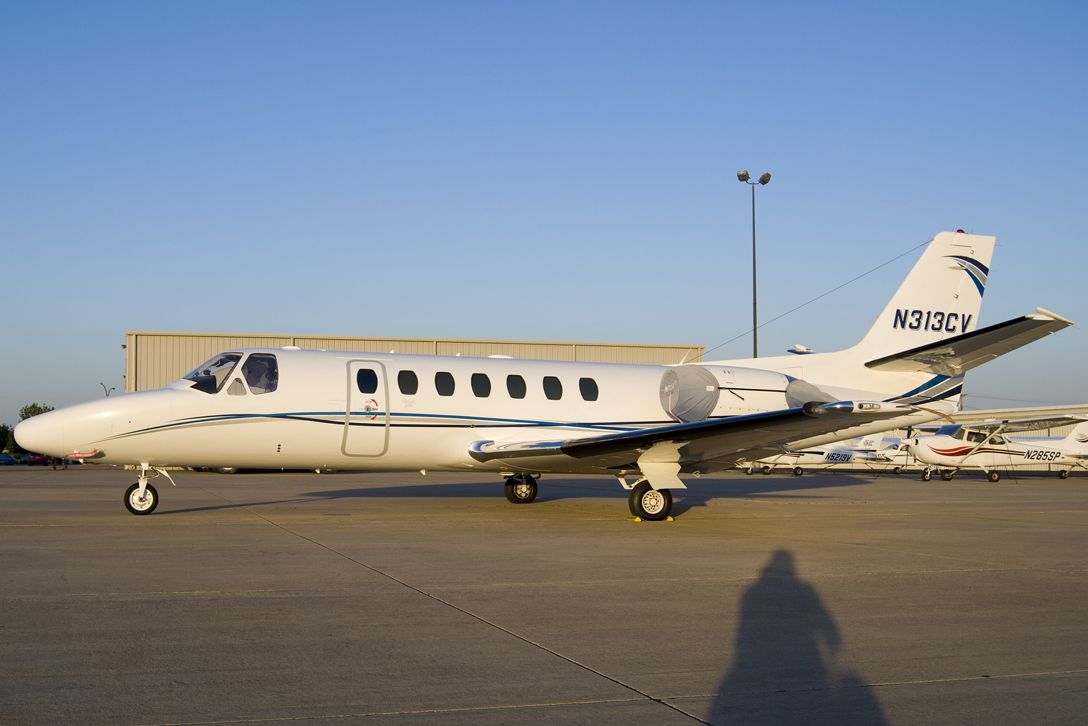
x,y
786,660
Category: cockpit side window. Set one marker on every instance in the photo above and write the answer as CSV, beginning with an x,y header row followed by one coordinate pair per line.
x,y
261,373
210,375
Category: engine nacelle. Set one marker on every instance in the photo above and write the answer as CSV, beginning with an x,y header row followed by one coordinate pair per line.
x,y
697,392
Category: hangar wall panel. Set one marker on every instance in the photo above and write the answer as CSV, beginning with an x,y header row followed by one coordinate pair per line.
x,y
154,359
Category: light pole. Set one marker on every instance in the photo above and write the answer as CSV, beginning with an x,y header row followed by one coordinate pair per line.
x,y
762,181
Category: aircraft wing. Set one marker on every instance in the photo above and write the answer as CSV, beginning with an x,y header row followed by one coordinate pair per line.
x,y
683,446
1009,426
952,356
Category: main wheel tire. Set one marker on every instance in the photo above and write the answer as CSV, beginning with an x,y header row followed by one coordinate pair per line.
x,y
1063,474
897,470
947,475
766,470
135,505
993,476
749,471
798,471
650,504
520,490
927,475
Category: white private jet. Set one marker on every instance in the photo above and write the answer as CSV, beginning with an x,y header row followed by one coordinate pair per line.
x,y
290,408
986,445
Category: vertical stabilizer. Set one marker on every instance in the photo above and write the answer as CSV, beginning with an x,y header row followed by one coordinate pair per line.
x,y
940,298
871,442
1077,440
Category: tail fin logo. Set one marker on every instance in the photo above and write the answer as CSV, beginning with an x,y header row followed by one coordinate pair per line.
x,y
977,271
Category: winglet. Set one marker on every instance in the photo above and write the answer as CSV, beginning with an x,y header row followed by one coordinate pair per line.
x,y
1053,316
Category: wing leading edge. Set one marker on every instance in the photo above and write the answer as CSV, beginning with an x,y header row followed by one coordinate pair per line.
x,y
688,444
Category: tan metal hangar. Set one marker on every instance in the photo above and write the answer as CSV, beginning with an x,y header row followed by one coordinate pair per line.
x,y
155,358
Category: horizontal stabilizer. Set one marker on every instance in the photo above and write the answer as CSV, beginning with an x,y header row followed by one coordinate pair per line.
x,y
702,440
953,356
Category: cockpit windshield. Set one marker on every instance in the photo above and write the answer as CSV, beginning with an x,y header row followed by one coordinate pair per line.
x,y
210,375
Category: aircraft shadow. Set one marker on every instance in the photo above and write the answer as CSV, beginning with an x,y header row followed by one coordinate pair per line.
x,y
787,666
701,492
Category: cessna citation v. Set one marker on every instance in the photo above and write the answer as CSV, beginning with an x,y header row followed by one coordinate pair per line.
x,y
646,425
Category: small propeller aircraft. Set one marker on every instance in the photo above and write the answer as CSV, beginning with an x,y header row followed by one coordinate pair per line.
x,y
986,445
866,450
344,410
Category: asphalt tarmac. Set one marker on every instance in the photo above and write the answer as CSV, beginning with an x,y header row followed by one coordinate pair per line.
x,y
835,598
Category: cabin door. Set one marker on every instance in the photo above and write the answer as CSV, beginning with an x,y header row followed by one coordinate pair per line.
x,y
366,417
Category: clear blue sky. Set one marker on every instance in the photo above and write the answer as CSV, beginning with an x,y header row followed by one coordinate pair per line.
x,y
527,170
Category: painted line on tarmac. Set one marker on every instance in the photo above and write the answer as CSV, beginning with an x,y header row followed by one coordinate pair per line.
x,y
468,613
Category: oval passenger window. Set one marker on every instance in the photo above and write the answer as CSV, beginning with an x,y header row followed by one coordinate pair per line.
x,y
367,380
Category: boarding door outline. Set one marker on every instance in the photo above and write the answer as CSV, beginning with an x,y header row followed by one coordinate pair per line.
x,y
366,415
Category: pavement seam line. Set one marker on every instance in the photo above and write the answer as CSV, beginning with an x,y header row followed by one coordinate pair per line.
x,y
408,712
470,614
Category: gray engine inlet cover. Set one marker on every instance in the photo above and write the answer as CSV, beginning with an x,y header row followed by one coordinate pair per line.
x,y
689,393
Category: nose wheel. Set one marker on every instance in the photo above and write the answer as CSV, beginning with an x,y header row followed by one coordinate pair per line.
x,y
141,502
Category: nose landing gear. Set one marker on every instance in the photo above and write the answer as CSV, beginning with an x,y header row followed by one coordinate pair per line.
x,y
141,502
141,497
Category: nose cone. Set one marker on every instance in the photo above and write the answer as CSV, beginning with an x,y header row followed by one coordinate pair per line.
x,y
42,434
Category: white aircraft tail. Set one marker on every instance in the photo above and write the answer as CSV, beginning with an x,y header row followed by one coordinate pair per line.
x,y
874,442
939,298
1077,440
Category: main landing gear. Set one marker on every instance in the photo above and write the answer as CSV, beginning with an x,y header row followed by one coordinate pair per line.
x,y
521,488
645,502
141,497
651,504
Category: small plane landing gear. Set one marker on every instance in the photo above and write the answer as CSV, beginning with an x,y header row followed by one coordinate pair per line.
x,y
141,502
798,471
897,470
766,470
521,488
1063,474
651,504
993,476
749,471
948,474
927,475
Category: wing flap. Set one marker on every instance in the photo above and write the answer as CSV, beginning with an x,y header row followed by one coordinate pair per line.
x,y
701,440
952,356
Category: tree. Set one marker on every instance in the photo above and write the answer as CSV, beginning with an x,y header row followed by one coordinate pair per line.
x,y
33,409
5,437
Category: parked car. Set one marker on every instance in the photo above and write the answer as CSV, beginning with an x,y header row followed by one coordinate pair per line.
x,y
37,460
7,460
22,458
